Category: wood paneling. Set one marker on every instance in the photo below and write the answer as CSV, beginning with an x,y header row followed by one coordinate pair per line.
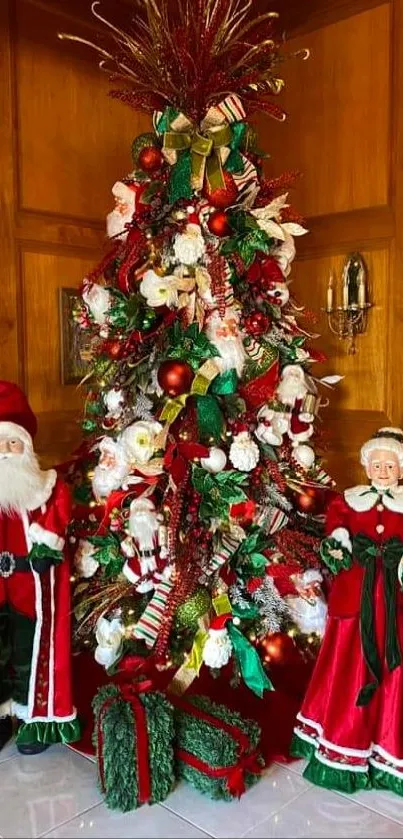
x,y
70,133
368,366
337,134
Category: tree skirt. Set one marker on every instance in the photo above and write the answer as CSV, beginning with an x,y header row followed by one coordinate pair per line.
x,y
275,713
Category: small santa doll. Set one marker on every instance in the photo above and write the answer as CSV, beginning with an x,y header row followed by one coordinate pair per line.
x,y
144,546
350,725
307,606
118,219
35,680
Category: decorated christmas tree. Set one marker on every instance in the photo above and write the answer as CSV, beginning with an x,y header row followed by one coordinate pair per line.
x,y
199,488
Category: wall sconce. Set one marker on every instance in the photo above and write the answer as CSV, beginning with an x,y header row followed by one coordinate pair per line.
x,y
349,319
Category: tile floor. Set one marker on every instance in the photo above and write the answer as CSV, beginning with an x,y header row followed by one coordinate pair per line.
x,y
55,795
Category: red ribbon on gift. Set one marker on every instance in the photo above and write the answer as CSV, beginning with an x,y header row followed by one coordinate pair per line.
x,y
248,761
130,692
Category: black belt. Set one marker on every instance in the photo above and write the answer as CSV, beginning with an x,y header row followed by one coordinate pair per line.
x,y
9,563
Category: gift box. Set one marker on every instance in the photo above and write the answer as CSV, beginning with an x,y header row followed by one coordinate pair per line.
x,y
216,750
133,737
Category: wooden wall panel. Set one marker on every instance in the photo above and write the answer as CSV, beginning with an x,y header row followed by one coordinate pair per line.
x,y
71,135
337,134
364,373
43,274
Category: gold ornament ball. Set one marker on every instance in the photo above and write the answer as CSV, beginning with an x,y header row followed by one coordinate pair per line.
x,y
189,612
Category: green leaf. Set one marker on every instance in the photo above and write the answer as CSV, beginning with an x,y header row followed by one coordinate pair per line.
x,y
259,561
233,405
210,420
229,246
230,478
190,344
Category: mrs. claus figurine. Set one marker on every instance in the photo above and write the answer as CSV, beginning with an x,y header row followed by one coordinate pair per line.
x,y
35,682
351,723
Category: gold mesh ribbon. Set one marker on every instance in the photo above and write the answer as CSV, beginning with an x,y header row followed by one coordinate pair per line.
x,y
205,151
200,385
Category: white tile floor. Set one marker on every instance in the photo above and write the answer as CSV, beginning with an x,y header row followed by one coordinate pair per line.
x,y
55,795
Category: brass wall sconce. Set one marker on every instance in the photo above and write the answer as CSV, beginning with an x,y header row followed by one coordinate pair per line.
x,y
350,318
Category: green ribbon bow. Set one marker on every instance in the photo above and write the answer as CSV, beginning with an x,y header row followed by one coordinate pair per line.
x,y
204,153
365,551
249,662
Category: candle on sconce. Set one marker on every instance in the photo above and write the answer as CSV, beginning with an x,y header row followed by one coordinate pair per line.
x,y
362,293
346,296
330,294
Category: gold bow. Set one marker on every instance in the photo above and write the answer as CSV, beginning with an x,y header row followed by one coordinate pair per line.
x,y
200,385
206,149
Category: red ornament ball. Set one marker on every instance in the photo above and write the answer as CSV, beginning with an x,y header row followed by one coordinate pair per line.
x,y
218,224
311,500
257,323
224,196
150,159
175,377
112,349
278,648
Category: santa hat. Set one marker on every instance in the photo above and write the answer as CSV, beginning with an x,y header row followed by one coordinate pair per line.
x,y
192,218
386,439
217,649
16,417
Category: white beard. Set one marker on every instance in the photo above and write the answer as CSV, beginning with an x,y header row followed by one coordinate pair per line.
x,y
104,481
289,390
22,483
231,349
115,223
143,527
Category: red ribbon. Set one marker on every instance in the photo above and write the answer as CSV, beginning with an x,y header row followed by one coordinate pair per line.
x,y
177,456
130,692
248,761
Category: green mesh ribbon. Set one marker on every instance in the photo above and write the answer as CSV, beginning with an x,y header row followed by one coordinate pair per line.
x,y
180,178
249,662
31,733
225,384
209,417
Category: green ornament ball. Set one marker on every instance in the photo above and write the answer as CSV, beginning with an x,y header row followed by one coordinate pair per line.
x,y
189,612
148,319
88,426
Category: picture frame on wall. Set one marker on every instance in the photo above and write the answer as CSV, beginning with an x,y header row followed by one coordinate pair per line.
x,y
73,341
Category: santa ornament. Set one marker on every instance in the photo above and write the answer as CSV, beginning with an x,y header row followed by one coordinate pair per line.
x,y
119,219
217,649
145,547
349,727
35,680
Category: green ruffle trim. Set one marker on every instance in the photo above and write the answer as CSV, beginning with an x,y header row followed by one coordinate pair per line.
x,y
301,748
385,780
342,780
48,732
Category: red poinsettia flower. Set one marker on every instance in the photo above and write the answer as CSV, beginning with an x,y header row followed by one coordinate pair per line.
x,y
244,512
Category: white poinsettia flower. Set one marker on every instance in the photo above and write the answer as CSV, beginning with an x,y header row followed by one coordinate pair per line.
x,y
114,400
189,246
109,635
269,220
98,301
244,453
159,291
139,440
84,562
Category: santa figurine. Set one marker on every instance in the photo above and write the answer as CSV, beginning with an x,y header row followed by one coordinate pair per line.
x,y
145,564
35,680
119,219
292,391
307,605
350,724
112,469
225,335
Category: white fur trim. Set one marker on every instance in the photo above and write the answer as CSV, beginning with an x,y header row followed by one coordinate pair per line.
x,y
40,536
345,750
21,712
313,724
304,736
386,755
129,574
36,643
51,691
360,500
341,535
333,764
12,429
385,768
5,709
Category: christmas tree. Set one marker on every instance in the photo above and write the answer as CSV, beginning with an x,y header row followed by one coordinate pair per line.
x,y
199,489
